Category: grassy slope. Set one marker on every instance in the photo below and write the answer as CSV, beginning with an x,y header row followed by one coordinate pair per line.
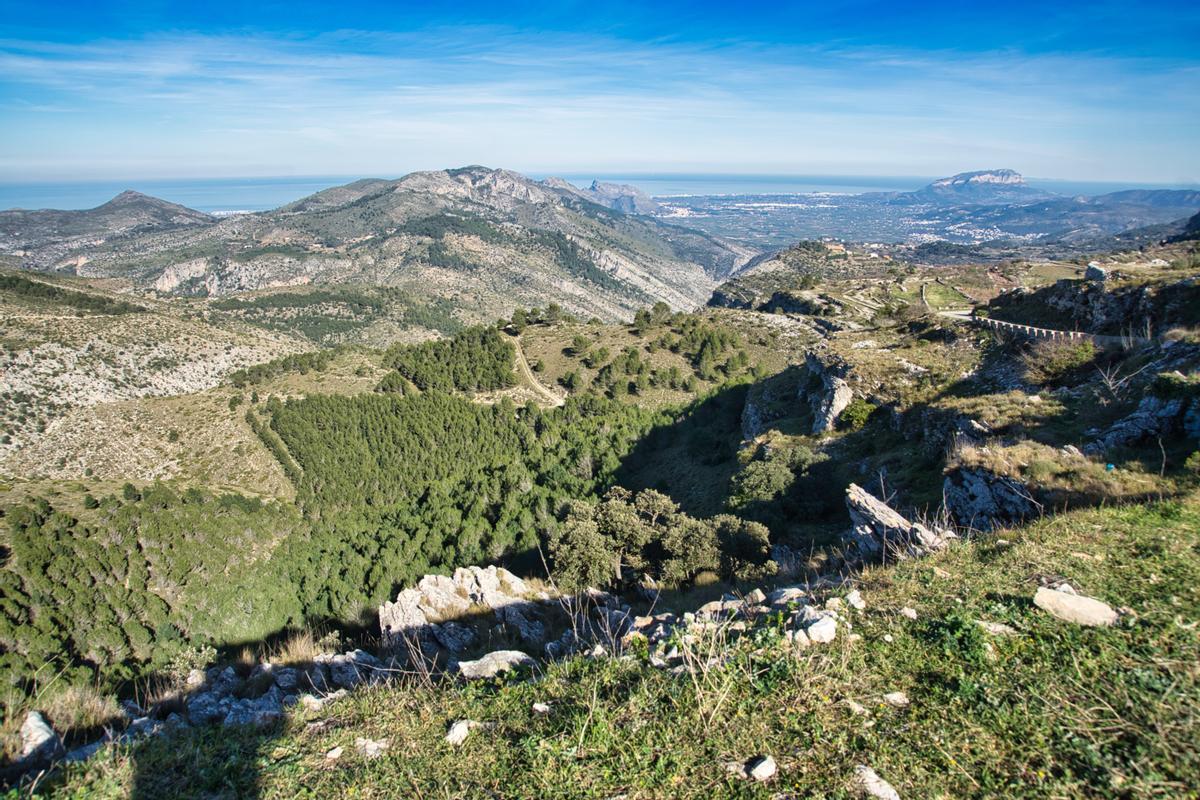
x,y
1055,711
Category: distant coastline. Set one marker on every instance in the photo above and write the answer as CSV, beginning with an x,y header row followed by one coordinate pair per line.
x,y
244,195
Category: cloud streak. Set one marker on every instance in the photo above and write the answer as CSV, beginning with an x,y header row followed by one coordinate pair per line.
x,y
356,102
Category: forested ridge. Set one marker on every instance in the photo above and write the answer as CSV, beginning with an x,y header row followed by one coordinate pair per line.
x,y
390,485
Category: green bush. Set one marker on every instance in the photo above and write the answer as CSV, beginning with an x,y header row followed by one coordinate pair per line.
x,y
648,533
1052,361
855,415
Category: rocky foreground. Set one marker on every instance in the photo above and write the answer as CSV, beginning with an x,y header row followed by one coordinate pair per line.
x,y
432,628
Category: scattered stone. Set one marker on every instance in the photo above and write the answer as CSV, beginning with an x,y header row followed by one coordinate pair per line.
x,y
786,595
1095,272
1072,451
867,783
887,637
908,613
459,730
759,768
334,754
896,699
762,768
370,749
493,664
312,702
834,604
286,678
206,707
997,628
541,708
84,752
856,708
807,614
1154,417
1074,608
855,599
39,742
755,598
799,639
822,631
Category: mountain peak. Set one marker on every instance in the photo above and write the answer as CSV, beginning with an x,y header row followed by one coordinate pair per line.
x,y
981,186
130,196
991,177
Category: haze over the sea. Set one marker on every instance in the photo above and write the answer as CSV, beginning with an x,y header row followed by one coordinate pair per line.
x,y
224,195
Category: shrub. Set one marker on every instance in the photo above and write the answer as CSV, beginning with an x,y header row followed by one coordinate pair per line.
x,y
854,416
650,534
1054,360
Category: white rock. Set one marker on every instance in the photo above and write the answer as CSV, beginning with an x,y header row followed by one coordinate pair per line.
x,y
762,768
834,604
493,664
896,699
788,594
867,783
39,742
334,754
1074,608
822,631
755,598
370,748
541,708
910,613
855,599
997,628
459,730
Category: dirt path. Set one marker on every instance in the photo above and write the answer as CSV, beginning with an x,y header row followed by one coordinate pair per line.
x,y
531,381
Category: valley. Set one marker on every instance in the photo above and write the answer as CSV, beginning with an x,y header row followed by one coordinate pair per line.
x,y
357,451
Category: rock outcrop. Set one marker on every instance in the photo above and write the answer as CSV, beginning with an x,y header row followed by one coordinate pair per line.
x,y
426,616
1154,417
979,499
879,532
834,394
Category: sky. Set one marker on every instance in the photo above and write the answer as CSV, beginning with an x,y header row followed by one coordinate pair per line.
x,y
147,89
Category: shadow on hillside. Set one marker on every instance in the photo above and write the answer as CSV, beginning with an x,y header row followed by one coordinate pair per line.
x,y
216,760
692,459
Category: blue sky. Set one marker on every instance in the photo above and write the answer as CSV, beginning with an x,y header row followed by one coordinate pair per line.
x,y
1097,91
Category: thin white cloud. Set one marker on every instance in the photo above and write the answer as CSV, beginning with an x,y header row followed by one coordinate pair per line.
x,y
342,102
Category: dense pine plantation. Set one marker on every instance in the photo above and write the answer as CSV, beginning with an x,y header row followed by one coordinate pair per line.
x,y
398,486
139,582
389,487
478,359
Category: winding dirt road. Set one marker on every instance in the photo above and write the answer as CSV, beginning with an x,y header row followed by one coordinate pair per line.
x,y
531,381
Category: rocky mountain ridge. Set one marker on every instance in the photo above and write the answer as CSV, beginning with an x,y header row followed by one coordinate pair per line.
x,y
487,239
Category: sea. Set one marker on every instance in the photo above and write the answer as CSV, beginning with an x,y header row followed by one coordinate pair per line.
x,y
233,195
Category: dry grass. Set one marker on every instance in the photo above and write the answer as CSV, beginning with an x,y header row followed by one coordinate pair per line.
x,y
1054,472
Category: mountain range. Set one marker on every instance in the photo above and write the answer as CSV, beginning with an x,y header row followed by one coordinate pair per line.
x,y
487,239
